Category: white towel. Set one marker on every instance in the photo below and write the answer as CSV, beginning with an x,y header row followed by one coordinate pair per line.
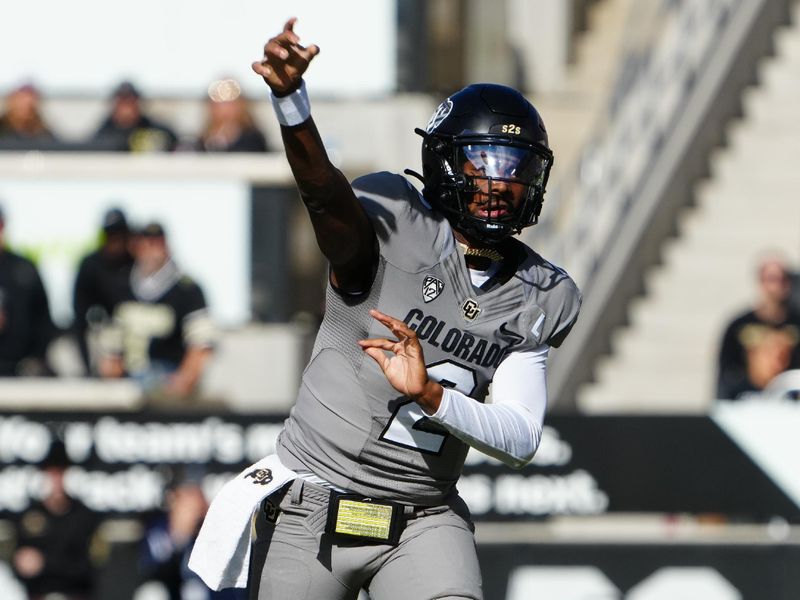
x,y
221,554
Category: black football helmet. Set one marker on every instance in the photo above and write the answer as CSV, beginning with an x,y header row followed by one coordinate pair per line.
x,y
499,136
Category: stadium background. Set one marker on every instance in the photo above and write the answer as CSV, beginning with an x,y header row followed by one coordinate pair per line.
x,y
674,125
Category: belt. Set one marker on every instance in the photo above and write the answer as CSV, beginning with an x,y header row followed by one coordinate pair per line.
x,y
302,488
355,517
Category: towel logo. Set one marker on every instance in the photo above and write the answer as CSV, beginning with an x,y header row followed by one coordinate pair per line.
x,y
431,288
260,476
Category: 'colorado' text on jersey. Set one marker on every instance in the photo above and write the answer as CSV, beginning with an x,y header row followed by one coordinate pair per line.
x,y
349,426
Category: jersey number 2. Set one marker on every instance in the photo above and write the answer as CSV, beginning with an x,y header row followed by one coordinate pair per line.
x,y
409,427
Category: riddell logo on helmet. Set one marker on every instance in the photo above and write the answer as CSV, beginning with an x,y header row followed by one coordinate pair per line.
x,y
440,115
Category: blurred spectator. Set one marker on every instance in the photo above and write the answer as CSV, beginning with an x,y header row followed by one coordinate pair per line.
x,y
26,328
168,542
22,120
54,536
128,129
230,126
163,334
763,342
101,282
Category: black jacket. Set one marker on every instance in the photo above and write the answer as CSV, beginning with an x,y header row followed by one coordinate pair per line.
x,y
26,328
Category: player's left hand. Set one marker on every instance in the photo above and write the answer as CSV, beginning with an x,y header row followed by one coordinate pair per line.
x,y
405,370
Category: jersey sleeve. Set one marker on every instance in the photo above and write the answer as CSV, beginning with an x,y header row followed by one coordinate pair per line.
x,y
557,305
510,428
193,297
198,326
411,236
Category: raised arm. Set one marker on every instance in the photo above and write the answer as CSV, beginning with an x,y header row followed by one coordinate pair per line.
x,y
343,230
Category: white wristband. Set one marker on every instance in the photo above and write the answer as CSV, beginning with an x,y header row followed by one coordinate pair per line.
x,y
293,109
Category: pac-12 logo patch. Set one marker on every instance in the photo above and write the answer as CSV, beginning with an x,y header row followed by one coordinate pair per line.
x,y
470,309
431,288
442,111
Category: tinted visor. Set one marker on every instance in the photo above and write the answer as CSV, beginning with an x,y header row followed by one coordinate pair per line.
x,y
503,162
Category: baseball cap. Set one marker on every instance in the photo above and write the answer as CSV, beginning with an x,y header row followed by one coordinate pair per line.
x,y
56,456
152,229
126,89
114,220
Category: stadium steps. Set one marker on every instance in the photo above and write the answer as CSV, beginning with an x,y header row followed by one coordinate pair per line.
x,y
572,112
665,359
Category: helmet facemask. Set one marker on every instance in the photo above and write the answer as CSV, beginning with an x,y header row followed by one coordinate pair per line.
x,y
480,176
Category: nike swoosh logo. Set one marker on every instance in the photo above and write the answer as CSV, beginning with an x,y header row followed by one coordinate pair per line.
x,y
516,338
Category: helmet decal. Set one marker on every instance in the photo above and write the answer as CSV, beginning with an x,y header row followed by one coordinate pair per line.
x,y
440,115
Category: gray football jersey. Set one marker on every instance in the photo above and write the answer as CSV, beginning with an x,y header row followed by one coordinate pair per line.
x,y
349,426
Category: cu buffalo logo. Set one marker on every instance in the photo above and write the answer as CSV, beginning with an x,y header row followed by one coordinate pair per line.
x,y
260,476
470,309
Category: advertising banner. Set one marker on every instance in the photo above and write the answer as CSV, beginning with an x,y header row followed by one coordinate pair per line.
x,y
586,465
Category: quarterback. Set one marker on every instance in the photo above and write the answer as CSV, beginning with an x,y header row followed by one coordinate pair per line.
x,y
430,300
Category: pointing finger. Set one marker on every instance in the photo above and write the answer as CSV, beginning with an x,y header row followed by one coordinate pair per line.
x,y
382,317
395,325
288,31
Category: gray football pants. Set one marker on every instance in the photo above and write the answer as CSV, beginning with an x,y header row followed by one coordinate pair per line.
x,y
294,559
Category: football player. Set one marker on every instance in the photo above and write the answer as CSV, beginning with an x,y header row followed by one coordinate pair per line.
x,y
430,300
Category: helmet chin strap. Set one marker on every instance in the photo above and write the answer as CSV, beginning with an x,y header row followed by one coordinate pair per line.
x,y
414,174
